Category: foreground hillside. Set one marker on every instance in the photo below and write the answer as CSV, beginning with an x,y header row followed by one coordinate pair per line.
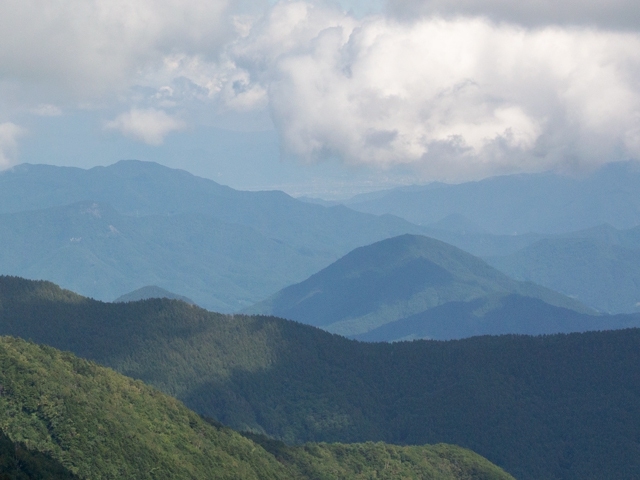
x,y
395,279
553,407
71,418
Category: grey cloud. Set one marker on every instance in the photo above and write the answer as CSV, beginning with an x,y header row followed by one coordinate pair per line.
x,y
607,14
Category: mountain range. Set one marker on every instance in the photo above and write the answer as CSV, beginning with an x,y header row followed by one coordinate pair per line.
x,y
544,203
107,231
413,286
599,266
554,407
151,291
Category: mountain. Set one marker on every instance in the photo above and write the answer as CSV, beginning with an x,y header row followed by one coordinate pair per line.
x,y
394,279
100,424
554,407
61,410
541,203
93,249
138,188
109,230
151,291
494,315
600,267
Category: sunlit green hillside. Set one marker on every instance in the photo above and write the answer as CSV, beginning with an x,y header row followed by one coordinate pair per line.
x,y
70,415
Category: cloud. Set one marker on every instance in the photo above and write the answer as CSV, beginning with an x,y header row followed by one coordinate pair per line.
x,y
9,134
451,89
609,14
148,125
452,98
85,48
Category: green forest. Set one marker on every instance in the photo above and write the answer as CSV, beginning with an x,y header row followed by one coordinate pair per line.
x,y
555,407
64,417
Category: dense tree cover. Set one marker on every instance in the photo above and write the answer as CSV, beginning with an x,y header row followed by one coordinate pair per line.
x,y
553,407
327,461
19,463
62,414
394,279
102,425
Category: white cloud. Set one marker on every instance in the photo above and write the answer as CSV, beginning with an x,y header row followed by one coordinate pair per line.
x,y
485,87
9,133
457,98
148,125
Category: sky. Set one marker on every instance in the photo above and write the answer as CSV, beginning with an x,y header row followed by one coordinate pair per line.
x,y
322,98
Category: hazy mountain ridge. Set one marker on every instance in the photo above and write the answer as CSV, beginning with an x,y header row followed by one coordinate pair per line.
x,y
599,266
499,314
522,203
503,397
152,291
394,279
223,248
91,248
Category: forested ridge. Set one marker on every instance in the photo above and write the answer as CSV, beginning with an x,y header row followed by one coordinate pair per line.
x,y
556,407
62,417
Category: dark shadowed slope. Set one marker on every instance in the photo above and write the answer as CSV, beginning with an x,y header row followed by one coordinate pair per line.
x,y
393,279
555,407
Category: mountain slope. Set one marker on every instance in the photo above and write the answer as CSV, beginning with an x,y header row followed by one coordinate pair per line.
x,y
102,425
504,397
393,279
109,230
541,203
151,291
93,249
600,267
145,188
494,315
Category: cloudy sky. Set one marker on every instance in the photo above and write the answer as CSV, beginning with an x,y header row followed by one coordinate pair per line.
x,y
319,97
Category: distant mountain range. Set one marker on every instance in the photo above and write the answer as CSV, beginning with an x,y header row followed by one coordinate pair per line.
x,y
387,286
151,291
555,407
599,266
110,230
518,204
